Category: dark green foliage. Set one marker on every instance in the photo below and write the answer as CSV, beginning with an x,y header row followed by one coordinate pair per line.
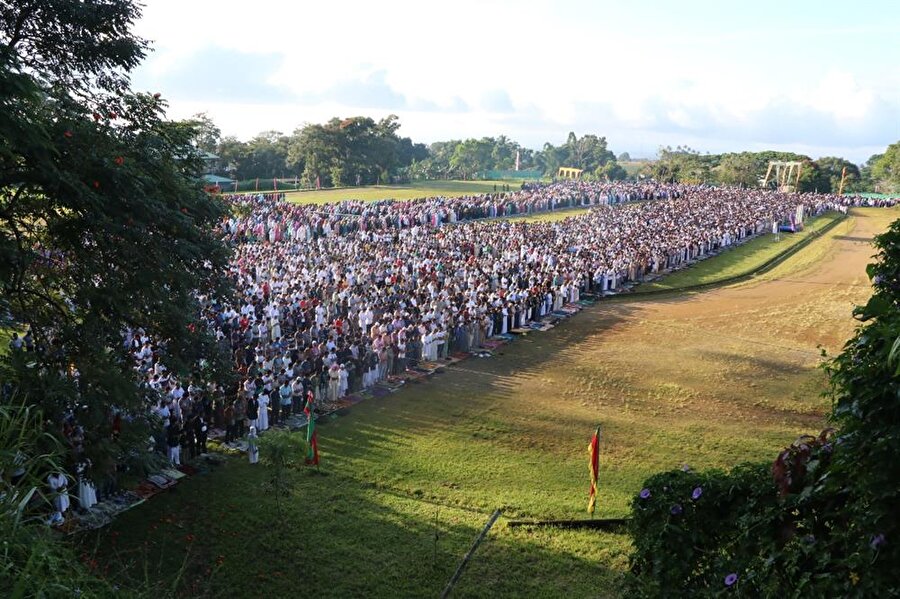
x,y
824,517
885,169
103,225
357,150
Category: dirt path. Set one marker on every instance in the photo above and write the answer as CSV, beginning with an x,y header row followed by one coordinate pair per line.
x,y
763,337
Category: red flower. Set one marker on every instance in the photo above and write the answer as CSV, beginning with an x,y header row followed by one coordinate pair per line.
x,y
184,210
96,116
119,160
189,538
113,115
67,133
157,96
96,184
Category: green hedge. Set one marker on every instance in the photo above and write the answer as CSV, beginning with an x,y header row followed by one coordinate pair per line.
x,y
823,519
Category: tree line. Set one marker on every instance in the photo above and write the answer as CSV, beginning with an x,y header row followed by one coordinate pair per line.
x,y
363,151
881,172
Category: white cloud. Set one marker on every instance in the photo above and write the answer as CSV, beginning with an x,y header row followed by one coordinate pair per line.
x,y
456,69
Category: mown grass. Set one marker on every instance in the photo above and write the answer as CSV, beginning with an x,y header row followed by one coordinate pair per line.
x,y
740,259
408,481
420,189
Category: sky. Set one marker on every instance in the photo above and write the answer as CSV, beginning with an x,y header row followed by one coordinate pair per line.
x,y
820,78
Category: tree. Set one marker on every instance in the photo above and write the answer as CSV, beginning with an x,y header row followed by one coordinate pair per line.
x,y
208,135
745,169
682,164
103,224
624,157
833,167
886,169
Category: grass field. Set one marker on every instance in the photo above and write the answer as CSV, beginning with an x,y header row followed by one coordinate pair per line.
x,y
401,192
708,379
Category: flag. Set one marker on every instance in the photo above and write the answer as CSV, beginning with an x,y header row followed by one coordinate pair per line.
x,y
312,456
318,182
275,184
594,452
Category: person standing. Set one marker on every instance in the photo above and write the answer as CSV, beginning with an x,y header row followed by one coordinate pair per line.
x,y
262,403
87,493
173,441
253,446
58,483
201,432
253,408
285,395
240,413
230,423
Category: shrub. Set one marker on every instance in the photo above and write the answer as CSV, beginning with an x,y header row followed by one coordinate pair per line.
x,y
824,516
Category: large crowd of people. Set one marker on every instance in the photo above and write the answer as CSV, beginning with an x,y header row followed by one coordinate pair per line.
x,y
333,299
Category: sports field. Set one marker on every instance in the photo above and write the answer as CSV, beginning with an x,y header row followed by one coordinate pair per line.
x,y
707,379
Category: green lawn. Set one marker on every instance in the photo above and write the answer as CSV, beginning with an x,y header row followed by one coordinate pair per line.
x,y
401,192
740,259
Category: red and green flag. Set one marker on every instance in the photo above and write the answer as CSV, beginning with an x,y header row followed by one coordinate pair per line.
x,y
594,452
312,456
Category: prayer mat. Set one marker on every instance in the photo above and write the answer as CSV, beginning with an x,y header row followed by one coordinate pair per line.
x,y
523,331
460,355
506,336
185,470
493,343
160,481
381,392
173,473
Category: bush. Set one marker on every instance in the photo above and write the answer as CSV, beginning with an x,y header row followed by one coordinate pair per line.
x,y
824,517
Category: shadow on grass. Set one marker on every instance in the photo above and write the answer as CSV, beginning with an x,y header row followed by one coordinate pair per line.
x,y
337,538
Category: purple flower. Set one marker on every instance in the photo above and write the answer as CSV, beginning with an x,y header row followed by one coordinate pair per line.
x,y
685,468
697,493
877,541
676,509
731,579
645,493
